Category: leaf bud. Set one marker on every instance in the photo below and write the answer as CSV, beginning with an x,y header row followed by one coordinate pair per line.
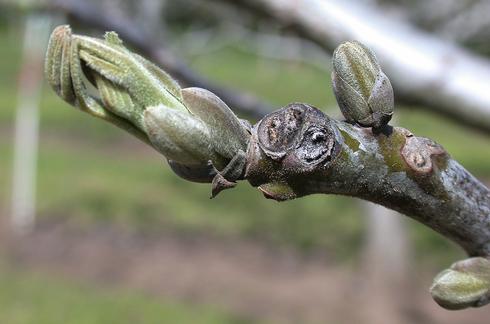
x,y
364,93
465,284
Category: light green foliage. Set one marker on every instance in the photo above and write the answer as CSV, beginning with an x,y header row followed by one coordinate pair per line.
x,y
363,91
63,71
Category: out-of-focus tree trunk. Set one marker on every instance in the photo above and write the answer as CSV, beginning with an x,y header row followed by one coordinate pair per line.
x,y
385,261
36,33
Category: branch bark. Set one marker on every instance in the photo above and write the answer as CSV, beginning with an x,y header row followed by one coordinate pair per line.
x,y
396,169
423,69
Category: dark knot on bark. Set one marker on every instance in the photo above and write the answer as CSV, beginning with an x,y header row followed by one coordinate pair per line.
x,y
288,144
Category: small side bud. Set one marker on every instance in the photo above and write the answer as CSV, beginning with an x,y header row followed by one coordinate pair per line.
x,y
364,93
465,284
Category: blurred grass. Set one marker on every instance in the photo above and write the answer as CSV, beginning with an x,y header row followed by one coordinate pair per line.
x,y
89,173
35,298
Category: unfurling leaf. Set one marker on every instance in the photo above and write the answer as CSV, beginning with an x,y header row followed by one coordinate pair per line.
x,y
191,127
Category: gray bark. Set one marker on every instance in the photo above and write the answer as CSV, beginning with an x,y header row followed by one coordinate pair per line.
x,y
312,153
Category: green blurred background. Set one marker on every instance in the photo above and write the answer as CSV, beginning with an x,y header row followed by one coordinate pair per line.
x,y
95,178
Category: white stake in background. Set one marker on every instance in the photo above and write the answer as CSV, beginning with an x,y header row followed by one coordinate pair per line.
x,y
36,33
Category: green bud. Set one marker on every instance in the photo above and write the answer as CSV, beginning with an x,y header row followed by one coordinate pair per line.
x,y
364,93
178,135
195,130
465,284
227,132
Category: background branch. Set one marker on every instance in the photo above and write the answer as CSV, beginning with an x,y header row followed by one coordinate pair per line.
x,y
424,69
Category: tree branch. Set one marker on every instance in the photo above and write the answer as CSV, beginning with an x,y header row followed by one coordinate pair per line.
x,y
396,169
293,152
424,70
